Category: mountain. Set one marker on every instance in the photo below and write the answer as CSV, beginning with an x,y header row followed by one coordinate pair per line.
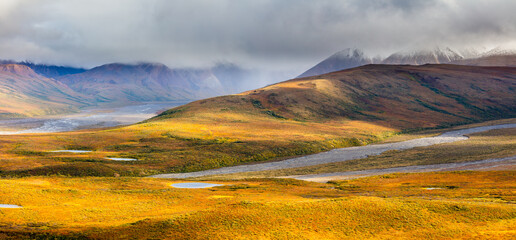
x,y
52,71
23,93
499,56
402,97
143,82
350,58
436,55
119,83
46,70
347,58
501,60
500,51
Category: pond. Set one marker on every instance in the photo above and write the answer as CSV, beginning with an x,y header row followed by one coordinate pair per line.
x,y
195,185
71,151
9,206
123,159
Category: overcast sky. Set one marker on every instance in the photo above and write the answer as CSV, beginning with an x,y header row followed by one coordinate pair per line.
x,y
270,34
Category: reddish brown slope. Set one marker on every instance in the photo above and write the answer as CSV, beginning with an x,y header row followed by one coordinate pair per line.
x,y
397,96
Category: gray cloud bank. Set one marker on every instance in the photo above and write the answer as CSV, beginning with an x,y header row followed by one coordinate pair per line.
x,y
270,34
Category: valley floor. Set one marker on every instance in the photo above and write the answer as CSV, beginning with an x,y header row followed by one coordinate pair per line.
x,y
507,163
441,205
86,119
258,205
343,154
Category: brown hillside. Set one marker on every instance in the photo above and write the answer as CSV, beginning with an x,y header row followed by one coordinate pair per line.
x,y
297,117
397,96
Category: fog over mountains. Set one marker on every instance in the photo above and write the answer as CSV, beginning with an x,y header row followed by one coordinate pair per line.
x,y
30,89
33,89
347,58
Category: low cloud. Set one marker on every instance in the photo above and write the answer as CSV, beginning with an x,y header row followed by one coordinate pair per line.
x,y
270,34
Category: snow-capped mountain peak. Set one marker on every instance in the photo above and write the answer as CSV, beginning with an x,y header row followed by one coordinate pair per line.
x,y
500,51
435,55
347,58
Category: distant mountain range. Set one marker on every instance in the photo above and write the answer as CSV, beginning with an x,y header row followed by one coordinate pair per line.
x,y
117,84
49,71
24,93
496,57
425,56
29,89
350,58
144,82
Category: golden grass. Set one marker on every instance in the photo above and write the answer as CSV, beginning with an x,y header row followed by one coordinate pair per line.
x,y
188,143
203,141
471,204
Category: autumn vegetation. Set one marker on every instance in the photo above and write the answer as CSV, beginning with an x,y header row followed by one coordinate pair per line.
x,y
406,206
297,117
78,196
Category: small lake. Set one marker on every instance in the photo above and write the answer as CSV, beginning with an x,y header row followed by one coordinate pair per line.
x,y
195,185
123,159
71,151
9,206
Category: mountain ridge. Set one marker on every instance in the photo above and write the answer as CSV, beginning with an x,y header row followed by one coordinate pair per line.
x,y
24,93
499,56
436,55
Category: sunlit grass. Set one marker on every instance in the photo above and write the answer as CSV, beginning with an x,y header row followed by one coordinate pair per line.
x,y
200,142
463,205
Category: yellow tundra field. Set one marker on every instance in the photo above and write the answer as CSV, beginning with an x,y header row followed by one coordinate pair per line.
x,y
396,206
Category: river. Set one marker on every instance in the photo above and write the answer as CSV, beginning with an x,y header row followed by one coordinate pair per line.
x,y
341,154
87,118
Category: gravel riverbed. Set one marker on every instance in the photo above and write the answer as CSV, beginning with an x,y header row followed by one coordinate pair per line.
x,y
341,154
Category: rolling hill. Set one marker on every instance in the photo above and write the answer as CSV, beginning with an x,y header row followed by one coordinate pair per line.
x,y
25,93
398,96
296,117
